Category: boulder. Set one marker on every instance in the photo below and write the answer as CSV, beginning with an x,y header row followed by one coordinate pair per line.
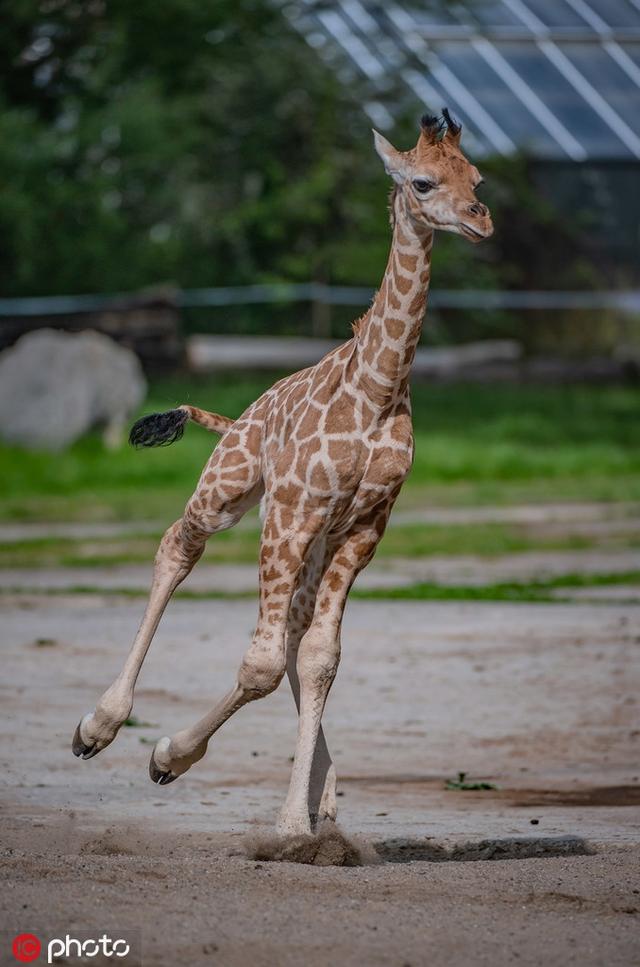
x,y
56,385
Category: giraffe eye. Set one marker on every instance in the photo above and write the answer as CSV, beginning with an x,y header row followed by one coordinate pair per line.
x,y
422,186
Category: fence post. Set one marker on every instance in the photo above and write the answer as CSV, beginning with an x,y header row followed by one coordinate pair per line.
x,y
320,311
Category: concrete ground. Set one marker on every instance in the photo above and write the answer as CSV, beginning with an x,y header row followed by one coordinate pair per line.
x,y
539,700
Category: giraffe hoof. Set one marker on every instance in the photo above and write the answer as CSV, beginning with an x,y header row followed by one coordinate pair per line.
x,y
158,776
80,748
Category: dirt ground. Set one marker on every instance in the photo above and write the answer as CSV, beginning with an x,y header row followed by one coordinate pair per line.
x,y
540,700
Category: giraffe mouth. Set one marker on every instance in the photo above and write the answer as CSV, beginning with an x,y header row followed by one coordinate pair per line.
x,y
469,232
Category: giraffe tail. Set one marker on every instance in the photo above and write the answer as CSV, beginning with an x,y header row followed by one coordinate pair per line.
x,y
162,429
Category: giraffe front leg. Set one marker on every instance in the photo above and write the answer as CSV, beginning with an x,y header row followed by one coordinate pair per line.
x,y
322,802
172,757
260,673
263,666
322,790
317,664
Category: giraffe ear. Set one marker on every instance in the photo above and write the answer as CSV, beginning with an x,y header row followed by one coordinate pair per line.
x,y
393,161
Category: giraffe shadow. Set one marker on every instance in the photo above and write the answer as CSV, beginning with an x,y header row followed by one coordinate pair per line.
x,y
331,847
520,848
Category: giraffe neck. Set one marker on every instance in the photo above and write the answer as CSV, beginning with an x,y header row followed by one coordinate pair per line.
x,y
387,336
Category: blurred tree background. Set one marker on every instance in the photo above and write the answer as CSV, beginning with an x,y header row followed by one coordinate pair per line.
x,y
205,144
196,143
187,144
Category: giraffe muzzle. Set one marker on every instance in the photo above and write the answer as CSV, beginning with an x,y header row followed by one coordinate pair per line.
x,y
478,232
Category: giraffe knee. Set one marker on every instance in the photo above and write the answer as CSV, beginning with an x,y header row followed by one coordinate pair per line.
x,y
261,672
318,659
180,547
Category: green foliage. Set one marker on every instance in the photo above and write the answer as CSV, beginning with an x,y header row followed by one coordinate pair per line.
x,y
474,444
203,144
553,591
240,545
462,784
548,591
183,141
133,722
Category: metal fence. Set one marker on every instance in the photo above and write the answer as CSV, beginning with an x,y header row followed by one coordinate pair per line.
x,y
623,300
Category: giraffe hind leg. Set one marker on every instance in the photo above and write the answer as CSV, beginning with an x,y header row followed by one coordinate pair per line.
x,y
223,496
178,552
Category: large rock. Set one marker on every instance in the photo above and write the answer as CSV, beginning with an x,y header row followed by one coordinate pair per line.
x,y
54,386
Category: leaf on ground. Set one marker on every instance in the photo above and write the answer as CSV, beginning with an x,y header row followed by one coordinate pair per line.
x,y
133,722
462,784
45,642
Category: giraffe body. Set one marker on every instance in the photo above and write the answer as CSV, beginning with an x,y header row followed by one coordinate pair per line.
x,y
325,451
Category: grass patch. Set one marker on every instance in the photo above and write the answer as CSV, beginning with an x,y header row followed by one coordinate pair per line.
x,y
233,546
462,784
541,591
474,445
532,591
483,540
124,592
240,545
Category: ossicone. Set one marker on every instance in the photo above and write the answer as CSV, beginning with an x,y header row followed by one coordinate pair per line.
x,y
434,128
454,128
431,127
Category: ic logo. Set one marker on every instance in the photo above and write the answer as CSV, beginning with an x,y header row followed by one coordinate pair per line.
x,y
26,947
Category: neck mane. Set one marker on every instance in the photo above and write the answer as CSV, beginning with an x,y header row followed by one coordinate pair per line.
x,y
388,334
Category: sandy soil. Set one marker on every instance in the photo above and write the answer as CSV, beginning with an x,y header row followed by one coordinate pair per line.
x,y
541,700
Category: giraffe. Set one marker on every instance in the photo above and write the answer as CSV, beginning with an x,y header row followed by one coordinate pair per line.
x,y
325,452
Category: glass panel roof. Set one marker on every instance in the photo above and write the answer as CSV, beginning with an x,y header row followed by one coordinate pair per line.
x,y
633,53
494,13
563,100
430,14
617,13
497,98
554,78
555,13
613,81
438,96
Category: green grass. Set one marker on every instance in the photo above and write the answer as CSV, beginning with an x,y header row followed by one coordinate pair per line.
x,y
474,445
539,591
240,545
462,784
533,591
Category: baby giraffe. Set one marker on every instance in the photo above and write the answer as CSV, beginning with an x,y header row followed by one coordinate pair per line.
x,y
326,452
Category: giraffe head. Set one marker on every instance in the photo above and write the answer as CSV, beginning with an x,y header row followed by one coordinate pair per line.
x,y
436,182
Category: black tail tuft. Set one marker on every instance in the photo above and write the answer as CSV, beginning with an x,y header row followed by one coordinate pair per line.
x,y
158,429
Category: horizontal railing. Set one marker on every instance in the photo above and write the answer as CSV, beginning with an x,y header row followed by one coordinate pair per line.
x,y
623,300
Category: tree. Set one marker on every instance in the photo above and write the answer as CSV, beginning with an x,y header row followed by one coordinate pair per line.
x,y
179,141
206,144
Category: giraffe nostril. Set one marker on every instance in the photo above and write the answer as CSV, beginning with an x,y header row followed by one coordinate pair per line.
x,y
478,209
